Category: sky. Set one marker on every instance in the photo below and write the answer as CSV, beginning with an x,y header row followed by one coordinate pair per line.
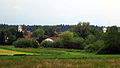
x,y
55,12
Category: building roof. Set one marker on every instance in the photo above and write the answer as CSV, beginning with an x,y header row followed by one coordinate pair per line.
x,y
53,38
48,39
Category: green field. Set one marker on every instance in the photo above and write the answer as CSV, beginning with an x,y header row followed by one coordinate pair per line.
x,y
11,57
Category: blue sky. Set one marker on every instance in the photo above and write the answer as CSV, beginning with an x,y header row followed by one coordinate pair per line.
x,y
54,12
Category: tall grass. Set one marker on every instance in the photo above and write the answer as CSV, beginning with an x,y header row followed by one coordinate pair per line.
x,y
60,63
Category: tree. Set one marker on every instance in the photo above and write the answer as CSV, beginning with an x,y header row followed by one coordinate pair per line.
x,y
90,39
19,35
69,41
58,43
10,39
50,32
38,33
12,30
112,42
97,33
66,37
95,46
2,37
81,29
25,32
6,37
76,43
26,43
46,44
113,28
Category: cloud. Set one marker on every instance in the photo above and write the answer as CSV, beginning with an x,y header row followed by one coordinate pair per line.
x,y
98,12
18,7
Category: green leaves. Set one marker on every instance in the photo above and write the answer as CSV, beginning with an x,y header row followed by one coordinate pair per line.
x,y
38,33
26,43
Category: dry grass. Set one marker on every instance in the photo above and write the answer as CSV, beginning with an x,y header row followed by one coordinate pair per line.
x,y
60,63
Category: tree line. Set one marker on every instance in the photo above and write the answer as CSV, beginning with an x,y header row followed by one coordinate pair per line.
x,y
89,39
81,36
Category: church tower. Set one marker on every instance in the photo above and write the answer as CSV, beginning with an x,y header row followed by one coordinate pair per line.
x,y
20,28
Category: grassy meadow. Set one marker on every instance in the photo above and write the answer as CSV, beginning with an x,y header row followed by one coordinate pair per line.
x,y
59,63
11,57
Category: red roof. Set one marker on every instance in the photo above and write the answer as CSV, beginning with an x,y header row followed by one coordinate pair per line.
x,y
53,38
26,36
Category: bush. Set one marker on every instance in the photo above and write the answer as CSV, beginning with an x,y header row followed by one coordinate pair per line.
x,y
95,46
46,43
89,48
112,43
10,40
66,36
26,43
58,43
76,43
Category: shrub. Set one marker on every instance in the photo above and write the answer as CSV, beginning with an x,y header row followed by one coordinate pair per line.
x,y
90,39
112,43
95,46
89,48
58,43
66,35
10,40
26,43
76,43
38,33
46,43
